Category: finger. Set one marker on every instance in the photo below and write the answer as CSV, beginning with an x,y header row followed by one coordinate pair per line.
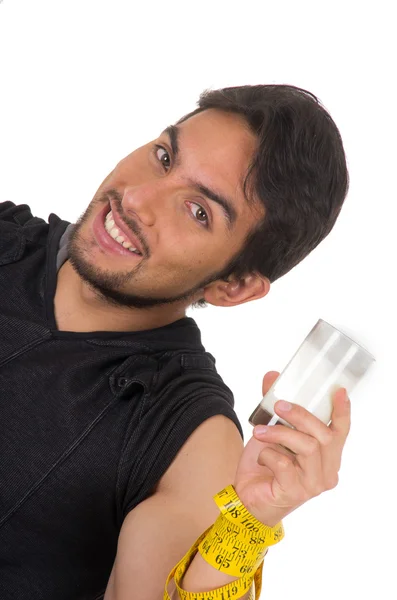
x,y
283,469
339,427
331,439
300,443
304,421
268,381
307,452
341,415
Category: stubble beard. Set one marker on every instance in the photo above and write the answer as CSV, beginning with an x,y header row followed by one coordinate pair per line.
x,y
106,284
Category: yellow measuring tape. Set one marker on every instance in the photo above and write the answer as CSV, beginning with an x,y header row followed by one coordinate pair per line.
x,y
232,591
245,526
225,552
236,544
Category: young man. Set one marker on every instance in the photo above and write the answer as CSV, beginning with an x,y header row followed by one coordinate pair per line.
x,y
117,429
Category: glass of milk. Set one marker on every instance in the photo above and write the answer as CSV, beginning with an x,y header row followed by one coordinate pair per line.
x,y
326,361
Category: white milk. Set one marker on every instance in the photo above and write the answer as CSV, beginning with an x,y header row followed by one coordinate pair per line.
x,y
310,381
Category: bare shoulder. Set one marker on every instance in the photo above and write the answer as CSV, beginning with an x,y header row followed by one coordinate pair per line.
x,y
210,454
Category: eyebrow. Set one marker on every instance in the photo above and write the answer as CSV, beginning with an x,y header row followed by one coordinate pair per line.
x,y
173,133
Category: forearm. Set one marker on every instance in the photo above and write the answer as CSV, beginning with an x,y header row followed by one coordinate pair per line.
x,y
202,577
228,556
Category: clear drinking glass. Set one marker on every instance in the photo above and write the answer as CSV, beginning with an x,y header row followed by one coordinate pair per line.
x,y
325,361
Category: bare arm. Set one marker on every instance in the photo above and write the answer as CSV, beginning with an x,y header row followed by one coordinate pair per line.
x,y
159,532
269,480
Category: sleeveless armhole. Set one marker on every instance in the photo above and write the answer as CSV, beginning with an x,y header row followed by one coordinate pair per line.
x,y
167,422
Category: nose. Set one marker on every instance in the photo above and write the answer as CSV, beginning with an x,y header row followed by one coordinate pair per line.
x,y
139,201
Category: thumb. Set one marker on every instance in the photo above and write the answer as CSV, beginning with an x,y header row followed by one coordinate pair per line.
x,y
268,381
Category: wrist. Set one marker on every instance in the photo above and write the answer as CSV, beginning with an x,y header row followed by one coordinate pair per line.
x,y
228,556
270,518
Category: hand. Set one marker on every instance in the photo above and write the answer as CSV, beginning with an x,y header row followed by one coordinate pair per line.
x,y
271,481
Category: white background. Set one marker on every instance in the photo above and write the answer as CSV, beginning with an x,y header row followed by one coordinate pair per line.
x,y
83,83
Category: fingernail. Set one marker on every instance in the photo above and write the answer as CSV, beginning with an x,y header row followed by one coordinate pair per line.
x,y
347,399
260,429
283,405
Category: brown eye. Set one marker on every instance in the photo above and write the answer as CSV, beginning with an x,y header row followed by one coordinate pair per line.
x,y
198,212
163,157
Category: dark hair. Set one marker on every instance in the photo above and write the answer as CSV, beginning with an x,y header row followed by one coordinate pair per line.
x,y
298,172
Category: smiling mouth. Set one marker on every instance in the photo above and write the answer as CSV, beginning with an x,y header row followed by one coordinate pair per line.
x,y
118,235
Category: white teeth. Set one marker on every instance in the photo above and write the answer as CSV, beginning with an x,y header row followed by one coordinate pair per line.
x,y
115,233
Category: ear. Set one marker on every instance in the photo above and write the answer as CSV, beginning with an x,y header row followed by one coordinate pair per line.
x,y
236,291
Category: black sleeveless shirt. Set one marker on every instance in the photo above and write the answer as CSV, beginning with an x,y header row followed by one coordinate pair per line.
x,y
89,422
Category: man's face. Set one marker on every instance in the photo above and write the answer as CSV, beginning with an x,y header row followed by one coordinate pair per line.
x,y
180,202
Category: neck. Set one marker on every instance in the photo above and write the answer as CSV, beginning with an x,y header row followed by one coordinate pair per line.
x,y
78,308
